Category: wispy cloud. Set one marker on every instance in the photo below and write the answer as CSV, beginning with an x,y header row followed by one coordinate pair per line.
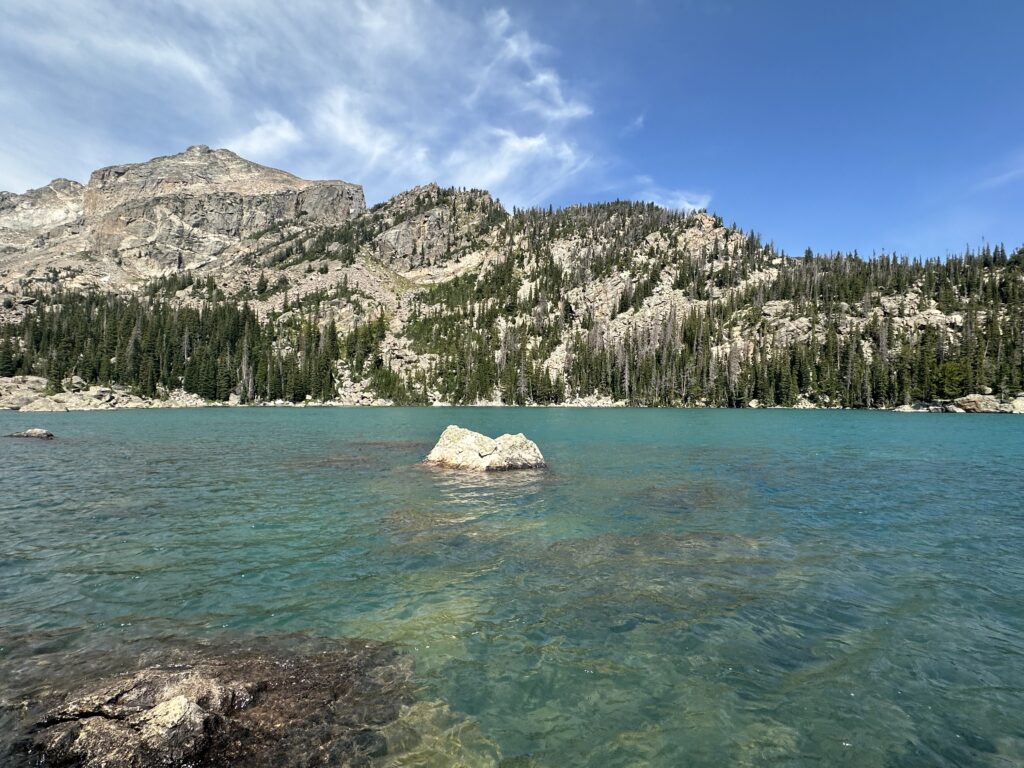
x,y
389,93
1012,171
674,199
634,125
535,165
272,137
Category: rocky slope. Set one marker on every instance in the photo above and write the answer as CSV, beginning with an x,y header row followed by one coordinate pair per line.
x,y
133,222
590,304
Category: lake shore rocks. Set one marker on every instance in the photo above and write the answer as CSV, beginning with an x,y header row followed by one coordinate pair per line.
x,y
985,403
459,448
29,394
248,710
974,403
34,432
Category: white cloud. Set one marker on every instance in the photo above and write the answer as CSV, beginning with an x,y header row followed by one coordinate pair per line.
x,y
271,137
549,101
517,71
529,168
674,199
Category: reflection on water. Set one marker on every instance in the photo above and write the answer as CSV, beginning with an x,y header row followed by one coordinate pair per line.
x,y
681,588
498,488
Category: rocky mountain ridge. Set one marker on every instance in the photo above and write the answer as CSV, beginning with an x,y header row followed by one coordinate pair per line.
x,y
131,223
467,302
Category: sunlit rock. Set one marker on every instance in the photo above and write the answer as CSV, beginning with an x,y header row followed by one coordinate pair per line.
x,y
36,432
460,448
43,405
981,404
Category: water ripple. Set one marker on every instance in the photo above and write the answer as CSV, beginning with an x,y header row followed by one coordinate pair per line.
x,y
681,588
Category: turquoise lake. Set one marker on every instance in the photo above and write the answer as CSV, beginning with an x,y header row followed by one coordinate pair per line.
x,y
680,588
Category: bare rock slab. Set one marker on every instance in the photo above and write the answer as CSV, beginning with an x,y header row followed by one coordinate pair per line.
x,y
460,448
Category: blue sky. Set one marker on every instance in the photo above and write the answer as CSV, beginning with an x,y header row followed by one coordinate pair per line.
x,y
868,126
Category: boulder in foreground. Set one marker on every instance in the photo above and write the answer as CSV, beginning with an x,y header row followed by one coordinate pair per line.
x,y
244,711
39,434
460,448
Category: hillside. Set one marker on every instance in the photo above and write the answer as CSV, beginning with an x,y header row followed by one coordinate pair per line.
x,y
207,273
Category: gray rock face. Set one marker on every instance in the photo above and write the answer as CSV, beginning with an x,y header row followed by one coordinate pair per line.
x,y
427,226
182,210
418,242
460,448
36,432
27,219
246,711
174,212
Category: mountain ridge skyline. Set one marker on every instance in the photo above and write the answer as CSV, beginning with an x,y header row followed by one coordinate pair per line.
x,y
979,244
871,128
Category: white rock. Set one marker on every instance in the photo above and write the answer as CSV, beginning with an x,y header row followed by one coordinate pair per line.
x,y
460,448
979,404
43,405
36,432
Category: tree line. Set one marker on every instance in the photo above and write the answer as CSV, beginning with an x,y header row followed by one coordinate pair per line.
x,y
513,331
215,350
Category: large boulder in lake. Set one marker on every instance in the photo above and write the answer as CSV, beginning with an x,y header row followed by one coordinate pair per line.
x,y
460,448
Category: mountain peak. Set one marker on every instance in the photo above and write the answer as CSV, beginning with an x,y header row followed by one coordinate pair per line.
x,y
169,212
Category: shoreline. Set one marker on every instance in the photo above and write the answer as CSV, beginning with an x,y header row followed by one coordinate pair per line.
x,y
28,394
157,405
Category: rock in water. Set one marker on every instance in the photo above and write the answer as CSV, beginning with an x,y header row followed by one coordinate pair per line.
x,y
460,448
40,434
245,711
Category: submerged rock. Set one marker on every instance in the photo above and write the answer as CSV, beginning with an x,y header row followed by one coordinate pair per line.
x,y
428,733
247,710
460,448
36,432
